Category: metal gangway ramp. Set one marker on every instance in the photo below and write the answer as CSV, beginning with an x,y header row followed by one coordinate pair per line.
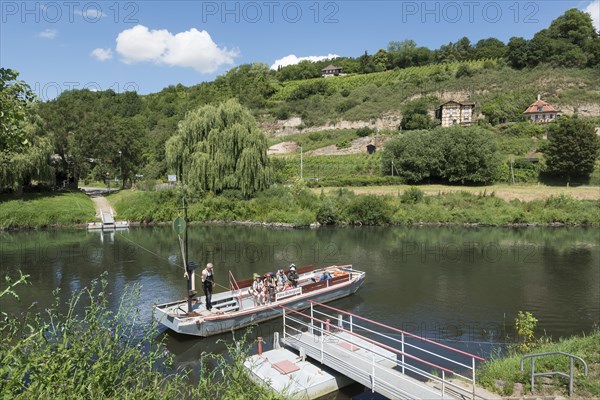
x,y
389,361
108,220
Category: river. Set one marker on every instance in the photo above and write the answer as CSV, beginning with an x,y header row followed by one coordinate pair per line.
x,y
462,286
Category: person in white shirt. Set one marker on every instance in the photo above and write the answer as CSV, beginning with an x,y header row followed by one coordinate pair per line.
x,y
208,281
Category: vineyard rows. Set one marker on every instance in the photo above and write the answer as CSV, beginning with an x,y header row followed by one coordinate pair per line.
x,y
349,82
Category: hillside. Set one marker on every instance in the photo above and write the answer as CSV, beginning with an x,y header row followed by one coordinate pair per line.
x,y
376,99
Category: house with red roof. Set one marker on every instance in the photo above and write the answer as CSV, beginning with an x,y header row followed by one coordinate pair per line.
x,y
541,112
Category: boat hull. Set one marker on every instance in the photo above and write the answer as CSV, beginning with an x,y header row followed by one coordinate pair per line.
x,y
209,324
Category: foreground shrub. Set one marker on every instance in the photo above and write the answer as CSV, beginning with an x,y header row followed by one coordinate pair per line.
x,y
91,352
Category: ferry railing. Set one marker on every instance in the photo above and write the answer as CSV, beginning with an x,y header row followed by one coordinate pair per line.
x,y
570,375
407,351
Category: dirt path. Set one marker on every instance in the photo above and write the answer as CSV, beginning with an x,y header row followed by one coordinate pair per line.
x,y
102,205
505,192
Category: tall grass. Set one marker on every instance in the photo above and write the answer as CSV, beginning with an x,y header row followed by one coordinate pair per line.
x,y
92,352
41,210
299,206
501,374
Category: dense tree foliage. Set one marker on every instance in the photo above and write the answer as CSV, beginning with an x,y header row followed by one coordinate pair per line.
x,y
96,135
572,149
415,156
453,155
220,147
24,152
569,41
470,156
507,107
415,115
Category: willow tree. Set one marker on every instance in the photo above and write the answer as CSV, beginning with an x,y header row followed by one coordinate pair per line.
x,y
24,152
220,147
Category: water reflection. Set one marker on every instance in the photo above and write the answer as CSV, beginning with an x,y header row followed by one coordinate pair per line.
x,y
463,286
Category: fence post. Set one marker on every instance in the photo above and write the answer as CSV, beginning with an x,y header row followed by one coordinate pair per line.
x,y
570,376
443,383
473,366
311,318
373,368
532,374
284,324
402,337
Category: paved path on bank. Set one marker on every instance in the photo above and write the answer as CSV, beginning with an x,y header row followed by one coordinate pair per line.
x,y
101,203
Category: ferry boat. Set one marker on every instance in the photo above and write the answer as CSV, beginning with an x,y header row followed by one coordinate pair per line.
x,y
238,308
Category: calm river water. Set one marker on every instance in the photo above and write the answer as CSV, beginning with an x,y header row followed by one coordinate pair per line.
x,y
462,286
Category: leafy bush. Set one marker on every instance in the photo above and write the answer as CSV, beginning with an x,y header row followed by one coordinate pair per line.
x,y
364,131
368,210
470,156
90,351
464,70
412,195
327,214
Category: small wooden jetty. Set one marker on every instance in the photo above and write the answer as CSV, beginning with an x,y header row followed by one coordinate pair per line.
x,y
394,363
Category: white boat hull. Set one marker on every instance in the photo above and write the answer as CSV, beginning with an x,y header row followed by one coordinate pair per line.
x,y
242,312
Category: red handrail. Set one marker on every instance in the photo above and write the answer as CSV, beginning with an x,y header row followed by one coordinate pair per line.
x,y
375,342
401,331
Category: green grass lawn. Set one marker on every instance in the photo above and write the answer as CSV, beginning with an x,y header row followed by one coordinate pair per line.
x,y
41,210
502,374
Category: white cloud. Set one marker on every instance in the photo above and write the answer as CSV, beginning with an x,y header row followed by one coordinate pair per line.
x,y
292,59
48,34
193,48
102,54
90,12
594,10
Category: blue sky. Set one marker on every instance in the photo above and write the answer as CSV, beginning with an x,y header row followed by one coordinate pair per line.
x,y
148,45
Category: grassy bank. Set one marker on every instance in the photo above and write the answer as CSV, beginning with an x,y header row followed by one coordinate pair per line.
x,y
504,375
92,351
41,210
298,205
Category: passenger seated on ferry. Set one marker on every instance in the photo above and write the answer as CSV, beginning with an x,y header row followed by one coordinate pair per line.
x,y
256,290
272,286
265,290
326,275
287,286
293,275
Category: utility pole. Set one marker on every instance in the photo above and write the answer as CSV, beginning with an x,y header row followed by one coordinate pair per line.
x,y
301,163
121,169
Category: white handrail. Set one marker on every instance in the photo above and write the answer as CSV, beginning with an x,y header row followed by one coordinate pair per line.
x,y
407,350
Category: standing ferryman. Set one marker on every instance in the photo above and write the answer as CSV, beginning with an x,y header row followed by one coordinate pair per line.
x,y
208,281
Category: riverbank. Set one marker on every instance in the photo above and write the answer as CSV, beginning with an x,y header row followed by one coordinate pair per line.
x,y
45,210
298,206
504,376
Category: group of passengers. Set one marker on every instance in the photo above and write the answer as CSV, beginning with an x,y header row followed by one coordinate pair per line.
x,y
265,287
